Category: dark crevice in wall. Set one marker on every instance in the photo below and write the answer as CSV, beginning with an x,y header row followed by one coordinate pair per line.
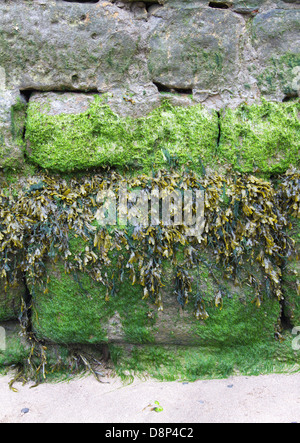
x,y
218,5
25,97
290,97
149,5
27,93
80,1
25,317
219,126
164,88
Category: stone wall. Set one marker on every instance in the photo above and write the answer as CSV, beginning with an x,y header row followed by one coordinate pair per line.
x,y
97,84
220,54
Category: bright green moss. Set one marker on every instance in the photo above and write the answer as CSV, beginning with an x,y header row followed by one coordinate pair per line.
x,y
262,137
172,363
236,321
75,310
99,137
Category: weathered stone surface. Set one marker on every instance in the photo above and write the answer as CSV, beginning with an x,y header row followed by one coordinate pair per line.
x,y
74,46
124,103
222,56
276,39
248,6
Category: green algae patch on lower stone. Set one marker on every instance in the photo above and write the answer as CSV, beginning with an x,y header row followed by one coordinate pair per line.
x,y
190,363
238,323
97,137
10,300
236,320
264,137
75,310
16,350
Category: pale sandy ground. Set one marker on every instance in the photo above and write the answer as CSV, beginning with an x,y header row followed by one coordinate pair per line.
x,y
267,399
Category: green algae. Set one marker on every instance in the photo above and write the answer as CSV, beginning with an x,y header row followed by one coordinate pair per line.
x,y
16,350
10,303
76,310
280,71
100,138
191,363
291,280
263,137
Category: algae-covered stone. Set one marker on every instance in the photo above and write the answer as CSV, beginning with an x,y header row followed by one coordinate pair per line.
x,y
75,309
90,134
173,363
12,122
10,300
14,350
291,281
264,137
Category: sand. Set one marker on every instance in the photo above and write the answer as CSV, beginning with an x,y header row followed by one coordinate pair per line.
x,y
260,399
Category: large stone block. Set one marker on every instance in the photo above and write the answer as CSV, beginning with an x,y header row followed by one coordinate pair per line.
x,y
11,300
75,309
74,45
276,39
71,131
196,48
